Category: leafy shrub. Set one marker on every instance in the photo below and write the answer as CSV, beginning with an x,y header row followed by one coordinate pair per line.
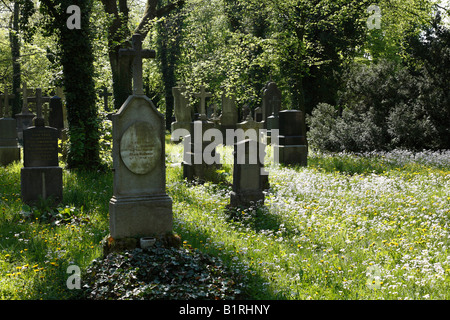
x,y
160,273
389,104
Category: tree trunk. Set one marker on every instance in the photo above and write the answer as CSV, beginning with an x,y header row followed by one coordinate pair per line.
x,y
80,92
15,53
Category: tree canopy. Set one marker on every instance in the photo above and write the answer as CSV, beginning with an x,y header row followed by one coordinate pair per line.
x,y
232,46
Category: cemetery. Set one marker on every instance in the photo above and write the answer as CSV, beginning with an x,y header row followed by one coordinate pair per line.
x,y
207,156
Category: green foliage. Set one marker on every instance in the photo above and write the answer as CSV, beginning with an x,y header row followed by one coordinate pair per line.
x,y
392,104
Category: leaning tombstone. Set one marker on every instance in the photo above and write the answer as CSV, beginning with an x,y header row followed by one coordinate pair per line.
x,y
41,177
291,147
139,206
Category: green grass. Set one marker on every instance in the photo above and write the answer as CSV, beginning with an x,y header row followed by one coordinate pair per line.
x,y
346,227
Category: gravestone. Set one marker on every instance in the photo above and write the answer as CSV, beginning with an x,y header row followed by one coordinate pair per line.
x,y
56,115
203,95
4,103
9,148
271,102
105,94
291,148
247,183
25,117
139,206
182,109
250,125
194,165
39,100
41,177
230,115
258,114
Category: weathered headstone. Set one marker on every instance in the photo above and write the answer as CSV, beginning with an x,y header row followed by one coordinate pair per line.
x,y
247,182
229,117
105,94
4,103
41,177
194,164
182,109
271,102
25,117
291,147
249,126
203,95
140,206
9,148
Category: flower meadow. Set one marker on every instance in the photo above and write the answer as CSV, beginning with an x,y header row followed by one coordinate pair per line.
x,y
326,234
348,226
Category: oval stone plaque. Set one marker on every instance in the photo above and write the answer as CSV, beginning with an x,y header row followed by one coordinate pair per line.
x,y
140,147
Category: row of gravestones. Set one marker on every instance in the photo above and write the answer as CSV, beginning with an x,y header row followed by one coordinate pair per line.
x,y
140,206
41,177
267,114
290,146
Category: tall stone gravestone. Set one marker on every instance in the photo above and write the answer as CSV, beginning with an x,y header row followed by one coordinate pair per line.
x,y
271,108
140,206
41,177
182,109
230,115
292,147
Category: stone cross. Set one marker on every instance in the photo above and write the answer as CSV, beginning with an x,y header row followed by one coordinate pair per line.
x,y
105,94
4,107
46,111
39,100
24,90
203,95
137,53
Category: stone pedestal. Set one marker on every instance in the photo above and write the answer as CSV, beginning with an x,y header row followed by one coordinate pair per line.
x,y
140,216
41,183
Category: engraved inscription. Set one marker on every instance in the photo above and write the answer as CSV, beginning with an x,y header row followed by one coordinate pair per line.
x,y
140,148
41,148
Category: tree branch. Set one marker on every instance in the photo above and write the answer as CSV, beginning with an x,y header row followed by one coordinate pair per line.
x,y
151,12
